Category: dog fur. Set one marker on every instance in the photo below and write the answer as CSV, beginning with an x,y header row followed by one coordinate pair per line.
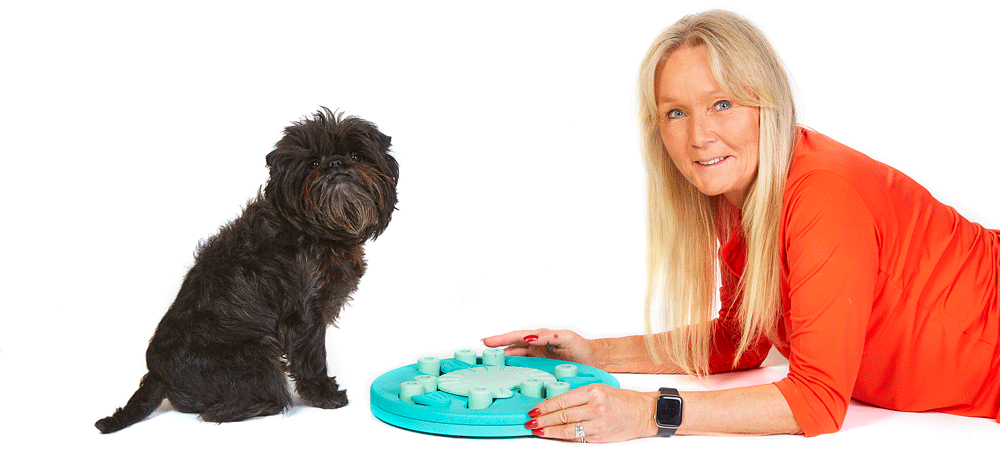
x,y
256,302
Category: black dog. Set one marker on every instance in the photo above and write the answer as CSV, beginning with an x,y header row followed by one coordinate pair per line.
x,y
257,301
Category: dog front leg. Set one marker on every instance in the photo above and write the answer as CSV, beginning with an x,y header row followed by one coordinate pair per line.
x,y
305,349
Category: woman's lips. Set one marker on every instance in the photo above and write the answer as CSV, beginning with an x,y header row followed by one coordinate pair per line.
x,y
712,161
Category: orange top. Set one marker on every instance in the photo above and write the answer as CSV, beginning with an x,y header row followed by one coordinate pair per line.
x,y
888,296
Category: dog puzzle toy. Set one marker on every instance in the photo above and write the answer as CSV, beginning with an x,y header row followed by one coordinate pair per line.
x,y
469,395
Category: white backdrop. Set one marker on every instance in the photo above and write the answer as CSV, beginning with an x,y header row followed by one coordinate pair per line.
x,y
131,130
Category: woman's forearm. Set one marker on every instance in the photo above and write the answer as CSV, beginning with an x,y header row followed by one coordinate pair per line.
x,y
630,355
617,414
756,410
609,414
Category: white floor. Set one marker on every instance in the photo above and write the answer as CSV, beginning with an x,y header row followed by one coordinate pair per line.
x,y
39,425
129,131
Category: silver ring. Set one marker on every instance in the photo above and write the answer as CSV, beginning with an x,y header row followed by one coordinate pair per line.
x,y
579,432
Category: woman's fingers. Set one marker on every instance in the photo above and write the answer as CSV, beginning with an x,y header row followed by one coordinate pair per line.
x,y
518,351
604,413
572,399
564,409
557,418
568,432
552,344
520,343
510,338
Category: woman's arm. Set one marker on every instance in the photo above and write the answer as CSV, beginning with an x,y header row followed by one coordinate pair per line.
x,y
756,410
615,355
608,414
630,355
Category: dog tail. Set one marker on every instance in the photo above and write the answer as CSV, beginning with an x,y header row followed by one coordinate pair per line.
x,y
144,401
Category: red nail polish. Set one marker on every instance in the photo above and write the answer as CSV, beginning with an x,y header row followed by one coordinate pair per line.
x,y
538,432
530,338
532,424
534,413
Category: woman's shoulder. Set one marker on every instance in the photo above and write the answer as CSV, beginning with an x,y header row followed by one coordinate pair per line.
x,y
817,153
819,161
827,176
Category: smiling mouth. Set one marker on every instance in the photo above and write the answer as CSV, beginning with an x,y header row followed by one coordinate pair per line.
x,y
711,162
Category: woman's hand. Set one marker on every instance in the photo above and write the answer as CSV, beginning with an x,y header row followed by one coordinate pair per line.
x,y
605,413
551,344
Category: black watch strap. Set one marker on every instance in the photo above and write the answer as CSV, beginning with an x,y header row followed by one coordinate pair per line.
x,y
669,410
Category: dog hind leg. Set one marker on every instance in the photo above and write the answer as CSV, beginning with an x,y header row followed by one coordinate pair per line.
x,y
235,411
227,383
261,389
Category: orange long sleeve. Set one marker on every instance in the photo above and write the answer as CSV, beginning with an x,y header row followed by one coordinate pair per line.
x,y
889,296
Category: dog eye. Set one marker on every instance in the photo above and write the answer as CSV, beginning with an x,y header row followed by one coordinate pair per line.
x,y
314,164
355,156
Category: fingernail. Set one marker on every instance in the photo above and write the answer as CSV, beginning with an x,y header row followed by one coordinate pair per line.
x,y
530,338
538,432
531,424
534,413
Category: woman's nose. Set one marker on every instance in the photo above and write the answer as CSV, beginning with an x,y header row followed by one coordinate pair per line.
x,y
701,131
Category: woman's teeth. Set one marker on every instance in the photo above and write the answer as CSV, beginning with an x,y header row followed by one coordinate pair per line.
x,y
711,162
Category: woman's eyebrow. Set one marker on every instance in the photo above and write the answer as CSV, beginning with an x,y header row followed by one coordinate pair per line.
x,y
713,96
666,99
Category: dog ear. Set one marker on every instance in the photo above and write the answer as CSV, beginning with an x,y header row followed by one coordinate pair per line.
x,y
279,164
277,160
392,165
382,140
271,159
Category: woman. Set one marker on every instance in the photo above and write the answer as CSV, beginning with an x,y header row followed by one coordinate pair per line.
x,y
868,285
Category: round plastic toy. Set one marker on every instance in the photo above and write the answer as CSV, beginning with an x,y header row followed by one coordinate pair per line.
x,y
475,396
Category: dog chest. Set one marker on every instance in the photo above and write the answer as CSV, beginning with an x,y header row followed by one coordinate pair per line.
x,y
327,278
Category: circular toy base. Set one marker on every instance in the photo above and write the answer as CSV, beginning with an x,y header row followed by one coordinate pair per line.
x,y
488,399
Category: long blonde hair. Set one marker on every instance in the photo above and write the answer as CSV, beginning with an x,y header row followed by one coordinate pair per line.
x,y
684,225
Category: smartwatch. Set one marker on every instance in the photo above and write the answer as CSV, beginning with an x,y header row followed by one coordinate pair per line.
x,y
669,409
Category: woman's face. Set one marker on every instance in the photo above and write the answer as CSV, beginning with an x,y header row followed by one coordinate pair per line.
x,y
712,140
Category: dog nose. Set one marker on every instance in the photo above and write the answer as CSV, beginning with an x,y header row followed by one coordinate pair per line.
x,y
336,163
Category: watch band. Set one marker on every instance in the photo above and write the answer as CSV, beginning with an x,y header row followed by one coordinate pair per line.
x,y
669,411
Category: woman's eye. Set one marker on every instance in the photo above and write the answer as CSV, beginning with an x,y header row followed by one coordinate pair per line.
x,y
723,105
674,113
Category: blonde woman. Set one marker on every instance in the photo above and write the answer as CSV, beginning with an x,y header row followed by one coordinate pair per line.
x,y
870,287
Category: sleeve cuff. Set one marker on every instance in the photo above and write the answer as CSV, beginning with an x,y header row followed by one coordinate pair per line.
x,y
802,410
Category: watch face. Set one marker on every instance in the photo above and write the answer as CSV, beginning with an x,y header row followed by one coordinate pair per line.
x,y
668,411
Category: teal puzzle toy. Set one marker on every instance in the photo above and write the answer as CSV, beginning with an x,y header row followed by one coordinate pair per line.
x,y
469,395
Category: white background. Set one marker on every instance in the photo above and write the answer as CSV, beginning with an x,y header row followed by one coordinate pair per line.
x,y
131,130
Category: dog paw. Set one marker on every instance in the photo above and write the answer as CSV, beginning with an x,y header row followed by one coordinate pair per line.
x,y
332,401
326,395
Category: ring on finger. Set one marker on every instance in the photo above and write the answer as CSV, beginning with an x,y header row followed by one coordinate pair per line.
x,y
580,434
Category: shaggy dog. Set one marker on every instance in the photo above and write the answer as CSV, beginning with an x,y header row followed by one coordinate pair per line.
x,y
257,301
